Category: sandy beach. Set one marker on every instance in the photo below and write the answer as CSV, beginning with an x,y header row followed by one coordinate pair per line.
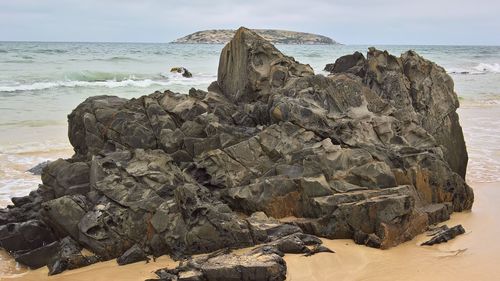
x,y
472,256
102,271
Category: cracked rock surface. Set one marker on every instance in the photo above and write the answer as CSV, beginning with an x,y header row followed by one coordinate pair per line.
x,y
373,152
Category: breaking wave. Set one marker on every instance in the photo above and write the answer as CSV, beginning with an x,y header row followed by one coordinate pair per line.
x,y
109,80
481,68
99,76
485,67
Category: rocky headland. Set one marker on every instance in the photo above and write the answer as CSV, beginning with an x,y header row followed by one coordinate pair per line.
x,y
271,155
222,36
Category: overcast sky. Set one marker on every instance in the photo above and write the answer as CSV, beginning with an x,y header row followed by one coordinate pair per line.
x,y
471,22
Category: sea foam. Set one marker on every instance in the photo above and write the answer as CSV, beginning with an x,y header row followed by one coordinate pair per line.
x,y
481,68
486,67
167,80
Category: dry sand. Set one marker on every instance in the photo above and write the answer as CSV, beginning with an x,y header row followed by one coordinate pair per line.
x,y
469,257
105,271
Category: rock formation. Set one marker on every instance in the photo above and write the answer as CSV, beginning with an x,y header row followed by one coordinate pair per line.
x,y
373,152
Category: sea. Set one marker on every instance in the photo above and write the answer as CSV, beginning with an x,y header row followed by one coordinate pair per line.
x,y
41,82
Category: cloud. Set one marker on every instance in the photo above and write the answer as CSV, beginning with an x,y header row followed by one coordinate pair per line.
x,y
371,22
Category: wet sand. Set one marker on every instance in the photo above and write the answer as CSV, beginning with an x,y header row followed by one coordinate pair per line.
x,y
481,128
8,266
21,149
472,256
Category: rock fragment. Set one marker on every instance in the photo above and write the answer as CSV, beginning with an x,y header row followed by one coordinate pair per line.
x,y
134,254
445,235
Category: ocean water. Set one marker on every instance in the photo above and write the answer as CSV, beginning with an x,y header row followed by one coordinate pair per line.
x,y
40,83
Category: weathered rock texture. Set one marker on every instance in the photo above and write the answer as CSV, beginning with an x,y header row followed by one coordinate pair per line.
x,y
373,153
253,266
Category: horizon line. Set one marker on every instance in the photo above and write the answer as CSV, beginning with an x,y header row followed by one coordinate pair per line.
x,y
174,43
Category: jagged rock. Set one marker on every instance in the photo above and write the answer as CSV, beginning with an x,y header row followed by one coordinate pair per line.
x,y
348,64
58,256
445,235
164,275
64,213
38,168
438,212
250,67
318,249
373,152
420,91
38,257
264,229
437,105
69,256
25,236
233,267
292,244
87,124
434,229
27,207
296,243
20,201
66,178
134,254
227,266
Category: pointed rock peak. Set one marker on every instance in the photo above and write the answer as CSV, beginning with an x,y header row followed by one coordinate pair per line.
x,y
245,34
250,67
382,59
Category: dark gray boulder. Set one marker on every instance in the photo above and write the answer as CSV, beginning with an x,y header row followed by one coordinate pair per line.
x,y
25,236
38,257
58,256
348,64
69,256
67,177
134,254
64,213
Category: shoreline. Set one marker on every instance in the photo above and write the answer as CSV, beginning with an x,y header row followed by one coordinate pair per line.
x,y
471,256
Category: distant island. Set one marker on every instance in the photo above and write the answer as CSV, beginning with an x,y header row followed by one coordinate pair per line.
x,y
222,36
